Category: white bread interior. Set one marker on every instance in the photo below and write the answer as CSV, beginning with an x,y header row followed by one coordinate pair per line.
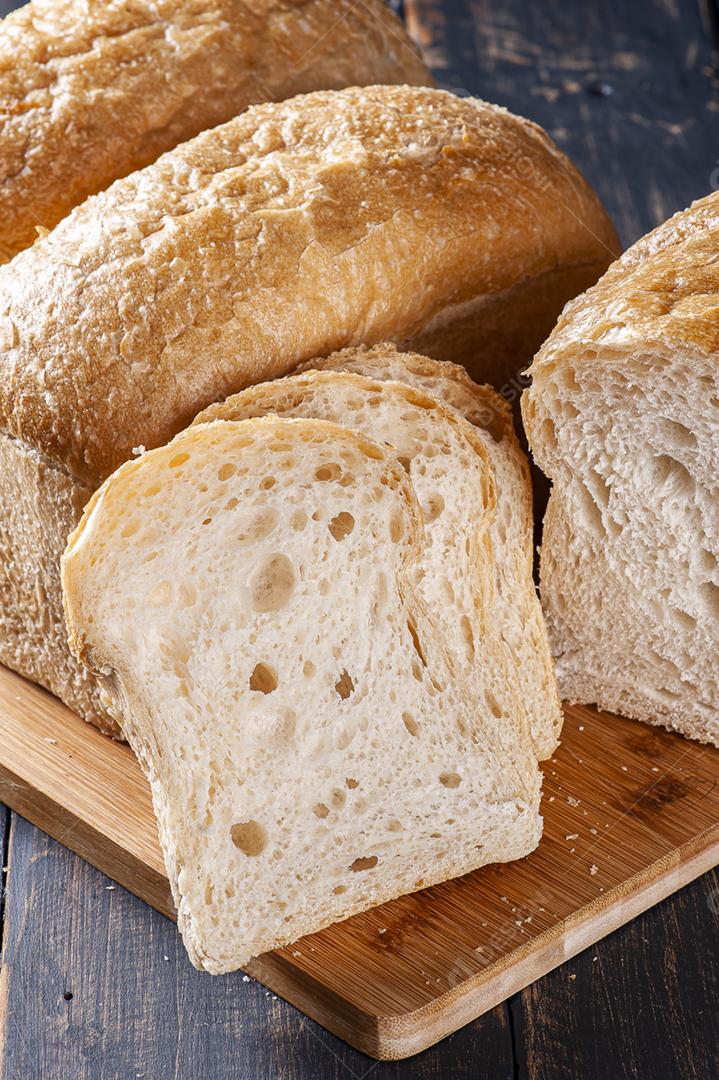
x,y
440,454
519,611
622,415
247,594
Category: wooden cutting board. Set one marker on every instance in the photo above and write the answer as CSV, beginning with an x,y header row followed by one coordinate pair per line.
x,y
631,815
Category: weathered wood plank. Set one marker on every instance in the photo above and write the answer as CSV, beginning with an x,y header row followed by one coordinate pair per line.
x,y
638,1004
629,91
138,1008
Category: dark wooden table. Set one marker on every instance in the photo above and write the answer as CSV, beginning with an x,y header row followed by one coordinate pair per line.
x,y
94,984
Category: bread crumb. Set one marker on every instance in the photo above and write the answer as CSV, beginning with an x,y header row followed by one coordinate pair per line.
x,y
572,976
572,801
138,451
581,727
593,869
572,836
382,930
165,957
53,742
109,888
296,952
245,978
624,768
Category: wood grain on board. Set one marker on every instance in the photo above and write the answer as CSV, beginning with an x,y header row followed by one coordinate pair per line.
x,y
631,814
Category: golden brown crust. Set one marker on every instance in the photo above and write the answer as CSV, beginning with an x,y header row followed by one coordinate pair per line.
x,y
295,229
91,92
660,296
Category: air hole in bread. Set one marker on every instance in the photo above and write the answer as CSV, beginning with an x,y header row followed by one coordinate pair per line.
x,y
308,669
468,637
321,810
130,529
394,825
351,783
226,471
367,863
298,521
207,521
494,707
683,618
330,471
345,738
371,451
450,779
339,889
416,642
410,723
267,483
405,462
231,503
263,680
679,435
341,526
177,460
161,595
260,527
671,474
347,479
709,593
249,836
344,685
396,528
433,508
272,584
188,593
338,799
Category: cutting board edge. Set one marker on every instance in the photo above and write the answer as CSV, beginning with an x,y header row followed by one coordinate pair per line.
x,y
390,1037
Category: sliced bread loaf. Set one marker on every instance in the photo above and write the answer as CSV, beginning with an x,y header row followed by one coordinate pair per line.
x,y
382,213
519,612
246,595
622,415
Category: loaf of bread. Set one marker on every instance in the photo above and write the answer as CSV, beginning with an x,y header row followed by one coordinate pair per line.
x,y
440,456
622,415
248,597
337,218
91,92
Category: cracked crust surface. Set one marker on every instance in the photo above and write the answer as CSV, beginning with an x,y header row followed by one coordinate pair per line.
x,y
89,93
297,228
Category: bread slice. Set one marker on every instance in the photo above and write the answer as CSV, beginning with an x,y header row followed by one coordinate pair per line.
x,y
450,470
519,612
622,415
246,594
